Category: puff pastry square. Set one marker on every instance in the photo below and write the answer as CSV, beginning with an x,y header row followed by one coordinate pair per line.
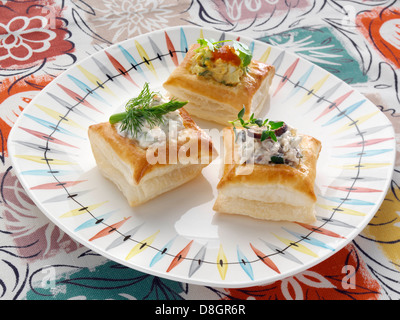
x,y
269,192
125,163
214,101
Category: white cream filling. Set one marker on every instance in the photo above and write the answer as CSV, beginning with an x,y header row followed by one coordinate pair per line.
x,y
253,150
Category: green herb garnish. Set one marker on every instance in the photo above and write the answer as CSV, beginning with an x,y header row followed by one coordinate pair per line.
x,y
270,126
241,49
140,109
277,160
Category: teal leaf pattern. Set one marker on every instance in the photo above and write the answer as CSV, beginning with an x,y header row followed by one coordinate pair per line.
x,y
321,47
107,281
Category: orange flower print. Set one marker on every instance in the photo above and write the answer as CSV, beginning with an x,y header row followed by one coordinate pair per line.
x,y
14,101
381,27
24,37
31,33
341,277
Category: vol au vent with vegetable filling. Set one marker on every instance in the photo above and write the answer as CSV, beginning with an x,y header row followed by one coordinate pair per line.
x,y
150,148
218,78
269,171
266,142
224,63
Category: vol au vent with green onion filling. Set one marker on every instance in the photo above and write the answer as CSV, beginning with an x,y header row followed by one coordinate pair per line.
x,y
266,142
150,118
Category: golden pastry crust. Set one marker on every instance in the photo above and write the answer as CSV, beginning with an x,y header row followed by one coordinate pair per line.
x,y
251,92
124,162
267,188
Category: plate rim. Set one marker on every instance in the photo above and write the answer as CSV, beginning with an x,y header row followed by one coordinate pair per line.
x,y
179,277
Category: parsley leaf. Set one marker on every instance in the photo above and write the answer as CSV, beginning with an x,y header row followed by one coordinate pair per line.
x,y
270,126
244,52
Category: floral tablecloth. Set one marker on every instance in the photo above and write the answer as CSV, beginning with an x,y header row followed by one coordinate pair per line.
x,y
358,41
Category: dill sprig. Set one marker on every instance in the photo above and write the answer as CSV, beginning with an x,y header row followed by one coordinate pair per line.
x,y
141,109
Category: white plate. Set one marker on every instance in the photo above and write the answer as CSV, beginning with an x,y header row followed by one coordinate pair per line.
x,y
178,235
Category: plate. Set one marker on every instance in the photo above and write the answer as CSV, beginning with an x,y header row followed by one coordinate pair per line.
x,y
177,235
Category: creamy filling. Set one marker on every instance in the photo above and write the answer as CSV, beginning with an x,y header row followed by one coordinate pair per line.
x,y
220,70
285,150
